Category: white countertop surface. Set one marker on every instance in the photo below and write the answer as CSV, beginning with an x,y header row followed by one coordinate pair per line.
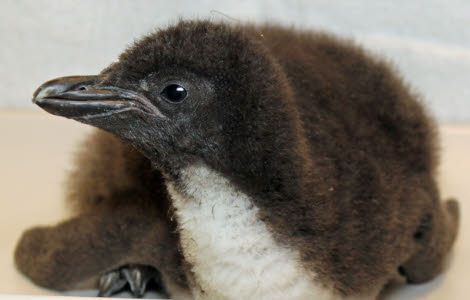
x,y
36,150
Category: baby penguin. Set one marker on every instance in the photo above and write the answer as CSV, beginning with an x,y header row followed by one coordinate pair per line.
x,y
245,162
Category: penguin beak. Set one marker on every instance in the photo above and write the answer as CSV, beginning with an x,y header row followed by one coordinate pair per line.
x,y
86,97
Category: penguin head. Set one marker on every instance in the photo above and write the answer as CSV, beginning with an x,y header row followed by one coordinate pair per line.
x,y
194,91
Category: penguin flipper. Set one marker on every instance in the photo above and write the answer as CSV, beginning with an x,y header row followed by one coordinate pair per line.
x,y
75,253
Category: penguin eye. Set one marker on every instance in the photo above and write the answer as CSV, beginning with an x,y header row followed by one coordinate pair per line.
x,y
174,93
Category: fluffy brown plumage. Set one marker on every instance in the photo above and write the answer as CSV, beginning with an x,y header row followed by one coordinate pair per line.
x,y
121,218
332,147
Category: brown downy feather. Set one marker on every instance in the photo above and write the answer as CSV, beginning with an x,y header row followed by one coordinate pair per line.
x,y
121,217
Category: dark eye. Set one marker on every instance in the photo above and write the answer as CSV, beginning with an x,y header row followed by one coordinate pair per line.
x,y
174,93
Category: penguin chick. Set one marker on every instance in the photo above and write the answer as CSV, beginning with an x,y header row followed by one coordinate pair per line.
x,y
298,165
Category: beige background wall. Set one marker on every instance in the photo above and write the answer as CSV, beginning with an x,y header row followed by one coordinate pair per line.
x,y
428,39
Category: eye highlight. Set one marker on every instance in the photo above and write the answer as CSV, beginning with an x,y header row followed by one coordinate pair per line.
x,y
174,93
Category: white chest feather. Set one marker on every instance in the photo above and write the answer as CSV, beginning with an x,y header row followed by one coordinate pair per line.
x,y
232,253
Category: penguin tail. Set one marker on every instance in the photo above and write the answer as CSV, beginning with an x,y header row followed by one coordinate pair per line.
x,y
434,239
452,219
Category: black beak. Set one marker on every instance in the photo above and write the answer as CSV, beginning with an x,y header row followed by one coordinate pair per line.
x,y
86,97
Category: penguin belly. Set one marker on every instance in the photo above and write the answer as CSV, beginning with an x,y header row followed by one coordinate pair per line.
x,y
231,253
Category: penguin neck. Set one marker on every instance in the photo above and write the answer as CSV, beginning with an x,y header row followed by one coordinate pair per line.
x,y
274,171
